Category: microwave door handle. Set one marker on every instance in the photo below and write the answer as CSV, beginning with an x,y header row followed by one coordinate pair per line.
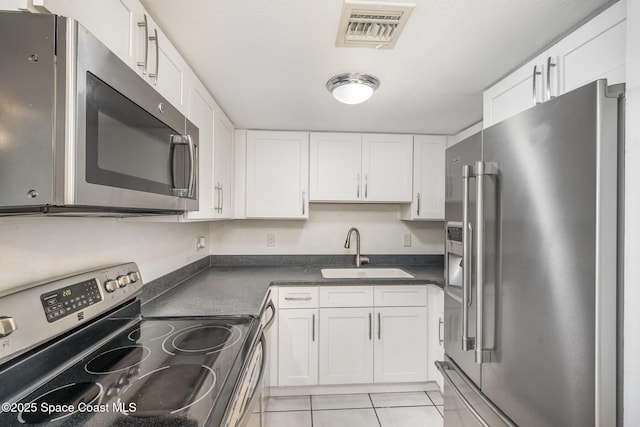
x,y
467,233
175,141
193,167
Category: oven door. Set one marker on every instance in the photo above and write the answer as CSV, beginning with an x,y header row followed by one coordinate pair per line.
x,y
131,148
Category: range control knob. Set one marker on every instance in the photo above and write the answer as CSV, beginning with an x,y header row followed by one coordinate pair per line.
x,y
110,285
123,281
134,276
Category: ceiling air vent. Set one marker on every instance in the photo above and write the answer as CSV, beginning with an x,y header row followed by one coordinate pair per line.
x,y
372,24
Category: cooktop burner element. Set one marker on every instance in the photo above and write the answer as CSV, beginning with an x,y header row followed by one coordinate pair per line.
x,y
60,402
117,359
151,332
151,397
202,339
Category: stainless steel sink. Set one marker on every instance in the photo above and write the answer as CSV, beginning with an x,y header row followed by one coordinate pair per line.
x,y
364,273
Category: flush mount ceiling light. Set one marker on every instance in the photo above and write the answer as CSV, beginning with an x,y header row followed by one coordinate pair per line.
x,y
352,88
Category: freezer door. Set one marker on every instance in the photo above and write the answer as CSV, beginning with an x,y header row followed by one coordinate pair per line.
x,y
464,403
550,262
465,153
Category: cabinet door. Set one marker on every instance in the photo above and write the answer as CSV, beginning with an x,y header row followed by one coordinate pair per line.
x,y
109,21
297,347
428,178
596,50
223,165
335,167
515,93
277,175
400,345
346,346
435,341
387,167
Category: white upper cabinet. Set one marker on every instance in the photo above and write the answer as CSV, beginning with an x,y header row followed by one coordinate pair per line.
x,y
125,27
277,175
428,178
109,21
360,167
596,50
387,167
201,113
223,165
156,59
335,167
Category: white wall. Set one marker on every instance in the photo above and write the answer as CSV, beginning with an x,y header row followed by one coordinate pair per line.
x,y
39,248
326,230
632,228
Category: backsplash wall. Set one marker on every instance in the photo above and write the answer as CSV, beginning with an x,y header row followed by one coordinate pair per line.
x,y
381,232
38,248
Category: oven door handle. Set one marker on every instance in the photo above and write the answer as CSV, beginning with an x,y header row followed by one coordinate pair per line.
x,y
271,306
256,391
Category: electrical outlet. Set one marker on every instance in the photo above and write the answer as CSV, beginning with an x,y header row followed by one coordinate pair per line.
x,y
407,240
201,242
271,240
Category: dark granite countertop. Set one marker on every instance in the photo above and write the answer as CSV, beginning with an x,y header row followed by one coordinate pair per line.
x,y
241,289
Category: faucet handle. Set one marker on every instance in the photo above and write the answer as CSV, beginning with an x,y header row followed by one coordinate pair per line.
x,y
363,259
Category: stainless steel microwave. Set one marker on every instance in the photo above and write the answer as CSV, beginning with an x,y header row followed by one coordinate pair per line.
x,y
81,132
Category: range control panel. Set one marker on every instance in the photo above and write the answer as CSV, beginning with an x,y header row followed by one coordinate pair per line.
x,y
39,312
65,301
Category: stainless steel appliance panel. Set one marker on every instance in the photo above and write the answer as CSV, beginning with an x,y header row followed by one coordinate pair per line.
x,y
30,59
542,257
464,153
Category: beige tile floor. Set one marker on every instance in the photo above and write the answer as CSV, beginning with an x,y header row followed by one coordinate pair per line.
x,y
410,409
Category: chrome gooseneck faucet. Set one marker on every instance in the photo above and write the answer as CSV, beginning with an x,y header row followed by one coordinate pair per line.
x,y
359,259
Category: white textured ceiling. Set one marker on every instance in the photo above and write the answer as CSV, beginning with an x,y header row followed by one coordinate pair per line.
x,y
267,61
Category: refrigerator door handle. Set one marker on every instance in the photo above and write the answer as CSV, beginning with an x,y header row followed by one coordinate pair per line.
x,y
467,236
482,169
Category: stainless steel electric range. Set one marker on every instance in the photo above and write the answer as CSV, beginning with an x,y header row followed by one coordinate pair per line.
x,y
76,351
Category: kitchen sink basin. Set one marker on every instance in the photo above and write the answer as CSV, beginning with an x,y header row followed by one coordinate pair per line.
x,y
364,273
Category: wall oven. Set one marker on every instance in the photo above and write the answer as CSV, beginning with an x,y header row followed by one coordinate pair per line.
x,y
80,131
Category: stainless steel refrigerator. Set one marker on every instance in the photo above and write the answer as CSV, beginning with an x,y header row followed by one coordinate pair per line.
x,y
530,295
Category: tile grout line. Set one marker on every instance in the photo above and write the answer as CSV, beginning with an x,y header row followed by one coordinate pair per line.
x,y
311,409
375,411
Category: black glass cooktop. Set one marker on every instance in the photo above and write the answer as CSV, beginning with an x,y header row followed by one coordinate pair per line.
x,y
159,372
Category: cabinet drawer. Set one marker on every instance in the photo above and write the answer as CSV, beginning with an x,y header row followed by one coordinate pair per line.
x,y
298,297
346,296
400,296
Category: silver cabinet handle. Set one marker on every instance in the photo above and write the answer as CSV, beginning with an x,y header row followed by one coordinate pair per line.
x,y
379,327
144,63
313,327
418,208
304,202
536,73
297,298
366,186
549,66
358,187
440,330
221,198
218,188
370,326
482,169
155,38
467,235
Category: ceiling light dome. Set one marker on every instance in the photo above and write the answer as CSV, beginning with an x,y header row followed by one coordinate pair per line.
x,y
352,88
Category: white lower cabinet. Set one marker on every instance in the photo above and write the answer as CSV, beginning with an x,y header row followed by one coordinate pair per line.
x,y
346,346
400,349
298,347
